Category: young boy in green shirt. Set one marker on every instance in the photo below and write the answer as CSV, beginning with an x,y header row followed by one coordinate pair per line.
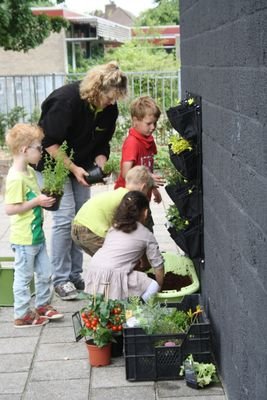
x,y
24,202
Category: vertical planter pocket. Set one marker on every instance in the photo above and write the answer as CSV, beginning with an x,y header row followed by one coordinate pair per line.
x,y
183,119
185,163
186,198
189,239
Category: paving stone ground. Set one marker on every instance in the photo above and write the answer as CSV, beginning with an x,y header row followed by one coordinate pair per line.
x,y
47,364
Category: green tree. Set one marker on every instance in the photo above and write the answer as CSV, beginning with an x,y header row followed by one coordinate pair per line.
x,y
140,55
165,13
20,30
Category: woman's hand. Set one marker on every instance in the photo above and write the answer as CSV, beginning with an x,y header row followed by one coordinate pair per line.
x,y
79,174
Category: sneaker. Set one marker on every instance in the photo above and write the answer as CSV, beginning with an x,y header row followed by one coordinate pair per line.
x,y
30,320
49,312
66,291
79,285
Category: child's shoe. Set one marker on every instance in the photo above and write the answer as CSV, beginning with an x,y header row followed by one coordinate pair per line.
x,y
49,312
30,320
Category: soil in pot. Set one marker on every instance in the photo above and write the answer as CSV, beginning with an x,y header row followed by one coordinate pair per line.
x,y
174,281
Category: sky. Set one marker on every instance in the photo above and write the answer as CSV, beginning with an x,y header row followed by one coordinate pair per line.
x,y
134,6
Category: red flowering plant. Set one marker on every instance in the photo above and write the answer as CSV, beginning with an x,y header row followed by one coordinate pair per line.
x,y
102,318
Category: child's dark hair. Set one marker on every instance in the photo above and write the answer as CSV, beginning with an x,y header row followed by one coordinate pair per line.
x,y
129,211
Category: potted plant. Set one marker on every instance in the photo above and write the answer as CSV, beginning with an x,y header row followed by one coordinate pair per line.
x,y
183,156
102,318
198,374
162,335
97,174
55,173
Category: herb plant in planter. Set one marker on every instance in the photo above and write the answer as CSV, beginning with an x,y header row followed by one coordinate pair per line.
x,y
183,156
174,218
198,374
55,173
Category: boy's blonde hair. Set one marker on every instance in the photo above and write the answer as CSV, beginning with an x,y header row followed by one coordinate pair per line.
x,y
143,106
23,135
139,175
102,79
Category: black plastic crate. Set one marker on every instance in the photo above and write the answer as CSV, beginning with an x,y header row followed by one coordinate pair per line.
x,y
147,359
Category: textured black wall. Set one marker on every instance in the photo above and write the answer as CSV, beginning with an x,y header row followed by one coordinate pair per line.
x,y
224,60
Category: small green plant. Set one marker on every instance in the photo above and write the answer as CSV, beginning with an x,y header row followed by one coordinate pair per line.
x,y
102,317
179,144
56,172
112,165
205,372
155,319
175,219
165,166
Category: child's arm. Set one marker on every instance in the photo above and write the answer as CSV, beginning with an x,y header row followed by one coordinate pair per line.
x,y
156,195
19,208
159,181
159,275
126,166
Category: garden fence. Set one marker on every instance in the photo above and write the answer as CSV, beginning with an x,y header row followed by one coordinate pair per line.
x,y
29,91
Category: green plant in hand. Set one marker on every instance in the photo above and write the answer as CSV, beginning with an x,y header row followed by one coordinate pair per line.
x,y
56,171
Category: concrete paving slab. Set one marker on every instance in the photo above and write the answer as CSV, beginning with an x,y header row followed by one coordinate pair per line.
x,y
10,397
60,370
194,397
7,330
69,389
7,314
18,344
55,335
112,376
61,351
125,393
15,362
13,383
179,389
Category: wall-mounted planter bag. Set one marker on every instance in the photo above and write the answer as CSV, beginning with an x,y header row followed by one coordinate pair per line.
x,y
185,163
188,240
183,119
186,198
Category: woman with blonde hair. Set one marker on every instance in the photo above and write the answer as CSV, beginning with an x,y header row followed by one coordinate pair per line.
x,y
83,114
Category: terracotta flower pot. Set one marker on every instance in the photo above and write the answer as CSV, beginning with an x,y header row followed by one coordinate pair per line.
x,y
98,356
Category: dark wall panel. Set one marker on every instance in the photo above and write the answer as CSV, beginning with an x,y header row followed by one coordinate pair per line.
x,y
223,56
